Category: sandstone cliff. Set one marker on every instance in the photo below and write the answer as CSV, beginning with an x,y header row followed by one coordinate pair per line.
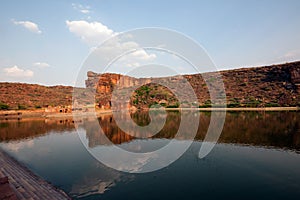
x,y
276,85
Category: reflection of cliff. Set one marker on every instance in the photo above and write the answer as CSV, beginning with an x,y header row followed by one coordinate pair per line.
x,y
278,129
24,129
110,129
116,135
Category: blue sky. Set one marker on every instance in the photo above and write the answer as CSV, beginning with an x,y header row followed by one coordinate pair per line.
x,y
46,42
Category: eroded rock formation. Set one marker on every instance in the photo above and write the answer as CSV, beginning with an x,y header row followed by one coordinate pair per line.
x,y
276,85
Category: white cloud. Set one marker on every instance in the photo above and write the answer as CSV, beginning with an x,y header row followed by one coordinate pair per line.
x,y
17,72
41,64
31,26
92,33
81,8
17,146
143,55
84,11
135,58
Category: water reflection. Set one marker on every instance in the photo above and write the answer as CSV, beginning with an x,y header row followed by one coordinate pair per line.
x,y
14,130
272,129
52,149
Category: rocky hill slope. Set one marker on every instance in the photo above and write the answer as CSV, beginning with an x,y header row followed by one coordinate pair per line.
x,y
269,86
30,96
276,85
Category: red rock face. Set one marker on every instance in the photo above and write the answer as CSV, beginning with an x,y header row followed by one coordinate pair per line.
x,y
105,84
276,85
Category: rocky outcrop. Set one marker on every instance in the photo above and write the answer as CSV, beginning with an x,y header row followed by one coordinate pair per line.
x,y
295,76
104,85
276,85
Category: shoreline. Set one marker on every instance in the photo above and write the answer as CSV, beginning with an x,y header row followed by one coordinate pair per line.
x,y
25,183
98,113
241,109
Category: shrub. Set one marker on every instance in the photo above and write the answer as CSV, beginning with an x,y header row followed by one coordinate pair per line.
x,y
163,104
205,106
145,88
252,102
154,105
135,101
207,102
173,106
3,106
271,104
21,107
234,105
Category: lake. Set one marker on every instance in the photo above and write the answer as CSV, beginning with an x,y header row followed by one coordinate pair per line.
x,y
257,156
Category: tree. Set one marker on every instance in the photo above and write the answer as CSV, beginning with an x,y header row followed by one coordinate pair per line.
x,y
3,106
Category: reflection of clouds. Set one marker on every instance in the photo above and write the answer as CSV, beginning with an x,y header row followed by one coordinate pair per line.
x,y
97,181
116,157
134,148
17,146
136,165
91,187
144,146
122,160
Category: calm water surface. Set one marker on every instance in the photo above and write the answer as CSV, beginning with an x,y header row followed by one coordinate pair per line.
x,y
257,157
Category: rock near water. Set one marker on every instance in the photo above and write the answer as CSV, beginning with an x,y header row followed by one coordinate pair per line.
x,y
269,86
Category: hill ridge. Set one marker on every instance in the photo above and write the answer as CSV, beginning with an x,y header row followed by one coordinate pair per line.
x,y
273,85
